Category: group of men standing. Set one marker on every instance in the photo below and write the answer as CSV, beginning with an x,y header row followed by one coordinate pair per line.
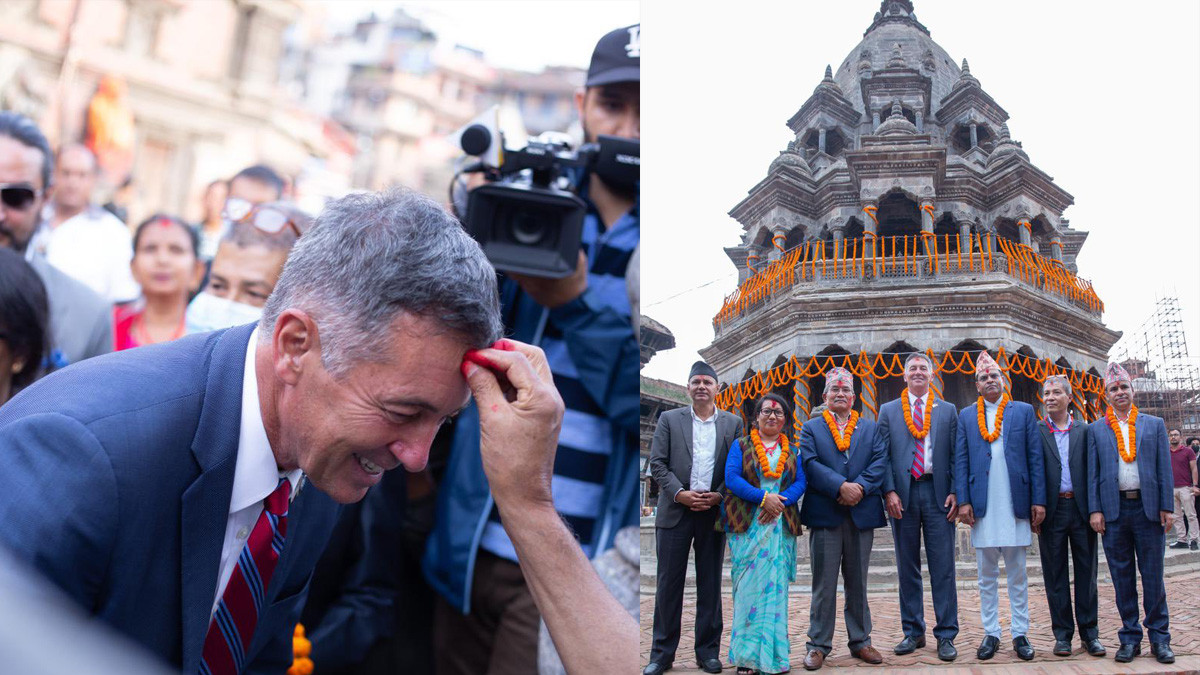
x,y
993,466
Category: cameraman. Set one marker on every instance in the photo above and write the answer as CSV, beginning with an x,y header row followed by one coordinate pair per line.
x,y
486,620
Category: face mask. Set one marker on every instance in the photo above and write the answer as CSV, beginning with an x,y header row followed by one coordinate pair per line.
x,y
208,312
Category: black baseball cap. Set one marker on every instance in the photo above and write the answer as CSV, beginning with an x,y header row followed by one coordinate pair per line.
x,y
617,57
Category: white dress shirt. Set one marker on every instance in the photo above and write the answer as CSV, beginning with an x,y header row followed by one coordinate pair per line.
x,y
926,413
94,247
1127,472
255,475
704,451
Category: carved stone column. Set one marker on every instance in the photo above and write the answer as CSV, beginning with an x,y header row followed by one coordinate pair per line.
x,y
871,233
1056,247
870,396
801,403
1025,231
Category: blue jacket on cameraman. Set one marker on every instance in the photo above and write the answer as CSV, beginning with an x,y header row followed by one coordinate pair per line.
x,y
593,355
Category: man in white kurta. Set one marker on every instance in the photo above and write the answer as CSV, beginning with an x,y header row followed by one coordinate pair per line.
x,y
1000,460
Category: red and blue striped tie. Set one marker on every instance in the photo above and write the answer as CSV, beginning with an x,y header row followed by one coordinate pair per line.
x,y
918,467
236,616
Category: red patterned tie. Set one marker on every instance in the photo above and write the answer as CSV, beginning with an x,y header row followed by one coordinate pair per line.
x,y
236,616
918,467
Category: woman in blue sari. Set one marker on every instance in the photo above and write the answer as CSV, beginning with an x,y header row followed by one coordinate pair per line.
x,y
765,482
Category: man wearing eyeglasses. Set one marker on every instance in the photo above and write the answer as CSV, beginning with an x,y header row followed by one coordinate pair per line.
x,y
80,320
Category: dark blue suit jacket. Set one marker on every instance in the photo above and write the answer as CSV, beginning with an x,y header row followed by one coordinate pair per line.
x,y
826,468
1154,468
1022,454
117,478
892,436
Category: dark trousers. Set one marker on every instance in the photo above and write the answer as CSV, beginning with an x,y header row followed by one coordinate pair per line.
x,y
848,549
923,514
500,635
694,531
1134,539
1066,528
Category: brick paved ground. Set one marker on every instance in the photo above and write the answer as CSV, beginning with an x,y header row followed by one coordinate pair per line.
x,y
1183,599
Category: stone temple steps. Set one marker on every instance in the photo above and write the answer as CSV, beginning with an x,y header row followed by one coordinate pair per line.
x,y
881,575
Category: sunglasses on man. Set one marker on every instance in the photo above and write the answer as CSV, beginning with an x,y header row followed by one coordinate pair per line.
x,y
19,196
266,218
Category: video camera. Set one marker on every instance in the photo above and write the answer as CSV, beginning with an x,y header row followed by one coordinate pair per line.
x,y
529,220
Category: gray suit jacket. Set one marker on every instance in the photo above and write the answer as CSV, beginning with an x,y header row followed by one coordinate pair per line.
x,y
891,435
80,321
671,458
1076,458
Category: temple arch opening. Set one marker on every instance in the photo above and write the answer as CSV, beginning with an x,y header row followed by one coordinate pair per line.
x,y
889,387
1025,388
959,387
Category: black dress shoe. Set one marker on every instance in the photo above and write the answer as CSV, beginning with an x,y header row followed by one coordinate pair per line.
x,y
946,650
1094,647
1023,649
909,645
1126,653
710,665
1179,544
655,668
1162,652
987,648
1062,647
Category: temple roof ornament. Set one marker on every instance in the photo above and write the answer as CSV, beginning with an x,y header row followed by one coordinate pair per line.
x,y
966,78
896,124
828,83
896,11
1005,146
897,60
791,157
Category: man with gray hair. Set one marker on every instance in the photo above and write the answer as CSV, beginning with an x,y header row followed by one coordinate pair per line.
x,y
917,432
176,507
1064,447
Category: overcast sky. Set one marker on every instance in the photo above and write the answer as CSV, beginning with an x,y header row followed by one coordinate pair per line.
x,y
1104,96
527,35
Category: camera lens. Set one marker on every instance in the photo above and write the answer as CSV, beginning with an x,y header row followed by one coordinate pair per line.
x,y
527,228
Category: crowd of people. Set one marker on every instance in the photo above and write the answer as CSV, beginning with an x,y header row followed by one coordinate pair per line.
x,y
924,467
260,351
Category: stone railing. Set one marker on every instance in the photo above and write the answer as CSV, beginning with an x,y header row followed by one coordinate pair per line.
x,y
907,257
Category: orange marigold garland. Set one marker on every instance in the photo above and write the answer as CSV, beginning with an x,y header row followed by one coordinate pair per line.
x,y
918,434
990,436
301,649
841,440
1131,454
761,452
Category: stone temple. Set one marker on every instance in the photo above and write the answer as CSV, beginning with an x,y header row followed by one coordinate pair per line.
x,y
904,217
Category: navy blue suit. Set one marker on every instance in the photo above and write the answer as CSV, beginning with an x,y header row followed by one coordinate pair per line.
x,y
925,512
1022,454
826,468
117,481
1133,532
